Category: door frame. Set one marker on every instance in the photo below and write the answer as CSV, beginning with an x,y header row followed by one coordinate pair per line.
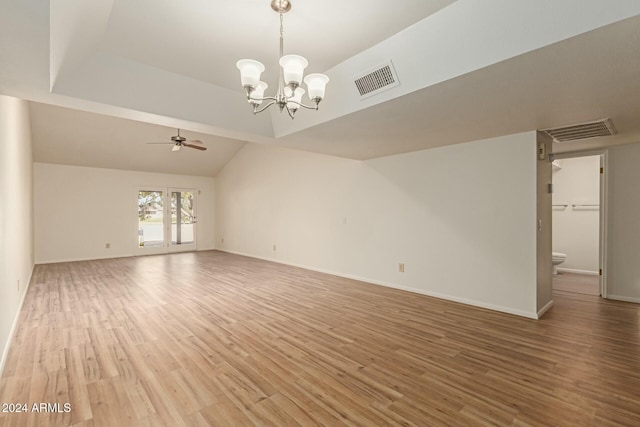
x,y
602,238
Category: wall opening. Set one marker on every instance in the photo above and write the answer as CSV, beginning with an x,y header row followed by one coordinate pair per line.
x,y
577,223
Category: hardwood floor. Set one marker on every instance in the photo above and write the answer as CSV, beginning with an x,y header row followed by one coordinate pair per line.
x,y
210,338
578,283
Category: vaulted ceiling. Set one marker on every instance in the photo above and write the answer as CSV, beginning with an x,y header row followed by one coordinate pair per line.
x,y
107,76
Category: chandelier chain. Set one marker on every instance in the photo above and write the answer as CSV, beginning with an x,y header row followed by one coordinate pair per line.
x,y
281,35
281,79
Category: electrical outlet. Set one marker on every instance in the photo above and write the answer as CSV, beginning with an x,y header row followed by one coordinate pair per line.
x,y
274,248
401,267
107,245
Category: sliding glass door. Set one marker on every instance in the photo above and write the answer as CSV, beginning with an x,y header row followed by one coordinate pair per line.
x,y
183,220
151,215
166,220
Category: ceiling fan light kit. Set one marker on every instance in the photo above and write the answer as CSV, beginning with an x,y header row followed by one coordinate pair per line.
x,y
289,94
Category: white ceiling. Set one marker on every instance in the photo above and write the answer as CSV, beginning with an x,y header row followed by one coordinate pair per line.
x,y
67,136
588,77
109,75
194,37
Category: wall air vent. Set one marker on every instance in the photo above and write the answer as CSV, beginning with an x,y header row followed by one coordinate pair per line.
x,y
377,80
602,127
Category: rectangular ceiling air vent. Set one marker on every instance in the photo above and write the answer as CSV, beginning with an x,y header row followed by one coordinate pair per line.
x,y
602,127
378,80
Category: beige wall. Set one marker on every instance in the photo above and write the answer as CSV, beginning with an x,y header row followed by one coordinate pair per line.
x,y
623,223
461,218
544,297
79,209
16,214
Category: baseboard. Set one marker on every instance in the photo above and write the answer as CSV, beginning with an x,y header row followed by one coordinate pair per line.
x,y
544,309
508,310
576,271
623,298
12,331
474,303
58,261
111,257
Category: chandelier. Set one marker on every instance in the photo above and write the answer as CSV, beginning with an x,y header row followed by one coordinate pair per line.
x,y
289,94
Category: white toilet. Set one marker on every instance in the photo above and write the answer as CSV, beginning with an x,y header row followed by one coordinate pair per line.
x,y
557,258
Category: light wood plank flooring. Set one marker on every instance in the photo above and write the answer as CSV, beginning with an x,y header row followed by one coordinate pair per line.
x,y
209,338
579,283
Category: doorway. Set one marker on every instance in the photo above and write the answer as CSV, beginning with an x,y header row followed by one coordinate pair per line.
x,y
578,218
166,220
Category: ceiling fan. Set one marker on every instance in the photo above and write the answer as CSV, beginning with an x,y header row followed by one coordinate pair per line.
x,y
180,141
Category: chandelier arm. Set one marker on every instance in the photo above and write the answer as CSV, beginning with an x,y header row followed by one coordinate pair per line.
x,y
256,110
308,107
266,98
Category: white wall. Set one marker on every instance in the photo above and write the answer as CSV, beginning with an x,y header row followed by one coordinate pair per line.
x,y
543,237
79,209
462,218
623,223
16,214
576,231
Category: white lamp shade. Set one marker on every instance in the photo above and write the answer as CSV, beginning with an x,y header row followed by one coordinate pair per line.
x,y
316,84
293,67
250,71
258,92
297,97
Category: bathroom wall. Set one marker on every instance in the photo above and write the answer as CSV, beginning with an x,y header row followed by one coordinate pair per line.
x,y
576,229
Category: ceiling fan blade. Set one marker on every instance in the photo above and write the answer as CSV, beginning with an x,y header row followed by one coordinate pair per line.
x,y
176,147
160,143
195,141
197,147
